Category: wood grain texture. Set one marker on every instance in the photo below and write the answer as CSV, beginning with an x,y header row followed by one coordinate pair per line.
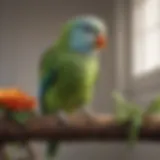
x,y
77,128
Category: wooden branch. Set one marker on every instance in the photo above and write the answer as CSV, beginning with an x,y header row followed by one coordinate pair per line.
x,y
78,128
2,152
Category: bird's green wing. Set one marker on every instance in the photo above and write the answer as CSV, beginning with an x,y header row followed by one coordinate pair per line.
x,y
48,76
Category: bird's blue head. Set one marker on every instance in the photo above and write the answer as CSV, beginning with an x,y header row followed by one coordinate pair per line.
x,y
87,34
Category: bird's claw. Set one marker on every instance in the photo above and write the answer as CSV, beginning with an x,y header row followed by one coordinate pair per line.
x,y
90,115
62,118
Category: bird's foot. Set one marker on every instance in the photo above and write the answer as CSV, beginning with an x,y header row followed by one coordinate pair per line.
x,y
62,118
90,115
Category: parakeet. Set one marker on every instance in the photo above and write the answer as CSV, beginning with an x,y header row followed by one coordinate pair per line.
x,y
70,67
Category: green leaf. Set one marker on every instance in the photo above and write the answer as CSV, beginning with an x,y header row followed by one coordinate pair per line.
x,y
128,112
2,108
21,117
122,108
154,107
134,130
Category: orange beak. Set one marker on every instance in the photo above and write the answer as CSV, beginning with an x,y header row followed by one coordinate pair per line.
x,y
100,41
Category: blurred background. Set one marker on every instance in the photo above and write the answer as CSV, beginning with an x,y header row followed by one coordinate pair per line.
x,y
130,64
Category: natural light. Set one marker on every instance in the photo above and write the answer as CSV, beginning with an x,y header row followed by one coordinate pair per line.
x,y
146,36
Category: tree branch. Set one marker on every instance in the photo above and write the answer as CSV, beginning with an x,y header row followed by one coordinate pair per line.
x,y
2,154
78,128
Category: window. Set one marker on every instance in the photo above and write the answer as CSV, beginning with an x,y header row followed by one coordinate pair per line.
x,y
146,37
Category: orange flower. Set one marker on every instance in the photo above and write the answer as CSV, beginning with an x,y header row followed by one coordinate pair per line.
x,y
16,100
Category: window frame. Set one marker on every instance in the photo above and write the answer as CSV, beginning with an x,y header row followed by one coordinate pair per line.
x,y
149,81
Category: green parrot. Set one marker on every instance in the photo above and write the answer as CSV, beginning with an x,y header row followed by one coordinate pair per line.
x,y
70,67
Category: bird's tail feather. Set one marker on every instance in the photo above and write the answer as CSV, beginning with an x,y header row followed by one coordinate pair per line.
x,y
52,150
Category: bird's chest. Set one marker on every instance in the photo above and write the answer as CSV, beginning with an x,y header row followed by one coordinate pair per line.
x,y
76,82
78,74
